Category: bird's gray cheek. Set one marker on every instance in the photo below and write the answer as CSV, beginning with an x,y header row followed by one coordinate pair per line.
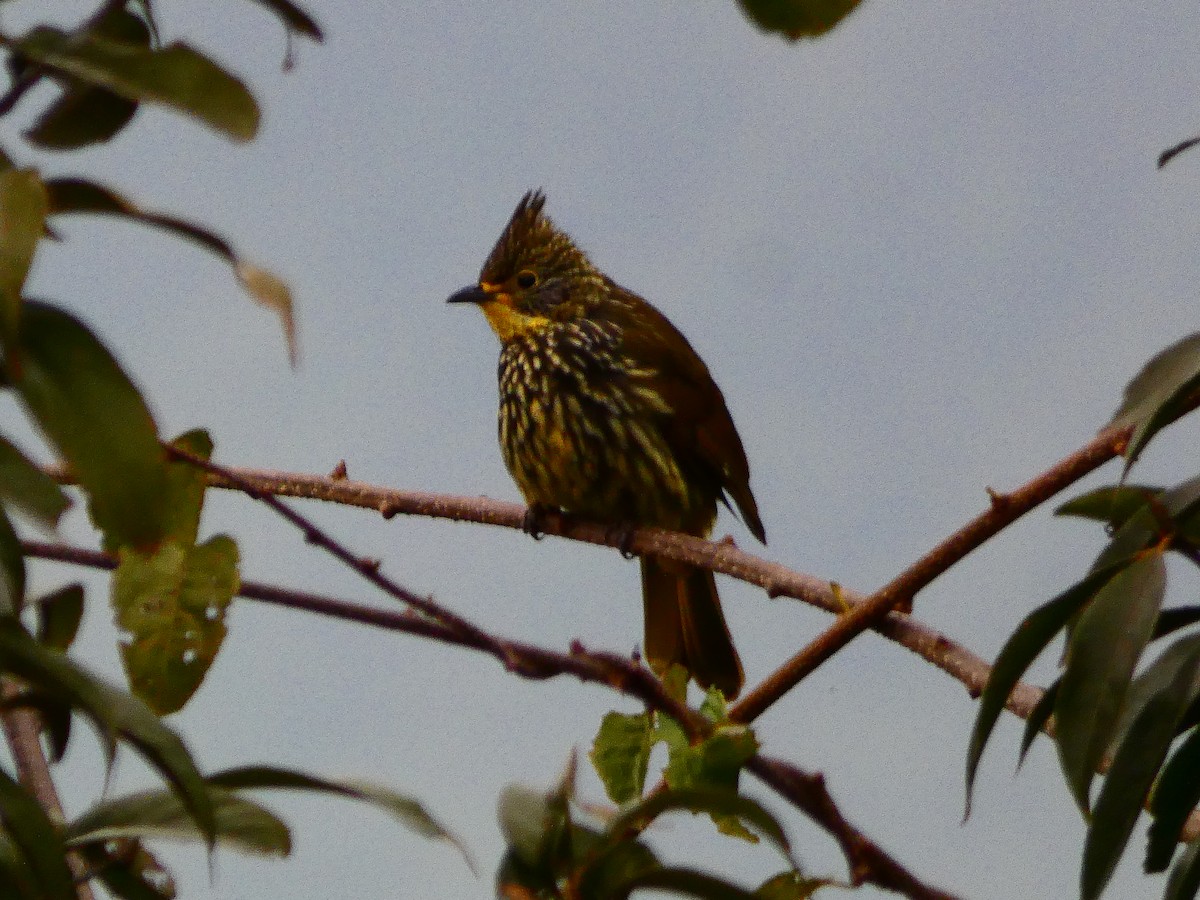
x,y
552,294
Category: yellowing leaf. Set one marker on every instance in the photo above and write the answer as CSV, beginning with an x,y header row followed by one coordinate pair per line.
x,y
170,606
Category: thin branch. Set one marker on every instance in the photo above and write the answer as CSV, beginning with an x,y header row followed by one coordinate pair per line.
x,y
317,536
720,556
868,863
1004,510
23,732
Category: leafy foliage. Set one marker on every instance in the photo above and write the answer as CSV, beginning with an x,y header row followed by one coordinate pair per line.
x,y
170,589
1106,718
795,19
556,852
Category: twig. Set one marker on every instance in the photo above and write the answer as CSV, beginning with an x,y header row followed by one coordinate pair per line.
x,y
868,863
23,733
720,556
1004,510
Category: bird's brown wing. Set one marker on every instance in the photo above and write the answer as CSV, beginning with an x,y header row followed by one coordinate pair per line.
x,y
699,431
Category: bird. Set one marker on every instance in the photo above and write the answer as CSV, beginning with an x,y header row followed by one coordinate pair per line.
x,y
606,412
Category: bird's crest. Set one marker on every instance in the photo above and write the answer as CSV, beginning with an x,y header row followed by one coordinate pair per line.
x,y
531,240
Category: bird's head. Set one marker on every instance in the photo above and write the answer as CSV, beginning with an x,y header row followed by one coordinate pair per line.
x,y
534,275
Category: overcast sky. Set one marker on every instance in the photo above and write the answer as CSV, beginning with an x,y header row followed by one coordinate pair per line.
x,y
921,256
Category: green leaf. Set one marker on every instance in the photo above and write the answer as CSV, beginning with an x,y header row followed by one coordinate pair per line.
x,y
1155,679
1173,511
407,811
1175,796
1104,649
790,886
86,114
1112,504
1184,880
719,803
176,76
1139,531
185,487
240,824
59,615
112,711
1037,719
1025,645
526,818
795,19
75,195
606,872
1170,620
669,731
14,873
1158,394
23,207
714,705
170,607
1182,504
1135,764
12,570
294,18
716,761
36,840
686,882
28,490
82,116
621,754
130,871
95,417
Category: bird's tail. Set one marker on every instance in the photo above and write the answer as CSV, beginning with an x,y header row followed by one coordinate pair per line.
x,y
685,625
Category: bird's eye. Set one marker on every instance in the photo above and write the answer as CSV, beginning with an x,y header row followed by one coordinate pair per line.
x,y
526,279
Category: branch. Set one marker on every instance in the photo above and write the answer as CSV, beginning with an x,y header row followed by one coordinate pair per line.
x,y
868,863
721,556
1004,510
23,733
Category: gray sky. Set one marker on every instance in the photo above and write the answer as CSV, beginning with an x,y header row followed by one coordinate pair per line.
x,y
921,256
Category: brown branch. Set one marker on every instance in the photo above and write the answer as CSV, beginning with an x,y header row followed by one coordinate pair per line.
x,y
23,732
1004,510
721,556
867,862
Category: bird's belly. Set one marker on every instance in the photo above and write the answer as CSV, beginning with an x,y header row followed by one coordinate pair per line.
x,y
594,452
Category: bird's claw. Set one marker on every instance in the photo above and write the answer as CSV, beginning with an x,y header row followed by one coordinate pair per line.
x,y
535,519
623,536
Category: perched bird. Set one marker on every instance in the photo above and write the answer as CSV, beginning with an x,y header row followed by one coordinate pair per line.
x,y
606,411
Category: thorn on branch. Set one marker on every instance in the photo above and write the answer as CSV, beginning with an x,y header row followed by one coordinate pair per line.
x,y
389,509
339,471
370,564
999,500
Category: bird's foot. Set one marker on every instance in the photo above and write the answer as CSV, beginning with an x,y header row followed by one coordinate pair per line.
x,y
535,520
622,535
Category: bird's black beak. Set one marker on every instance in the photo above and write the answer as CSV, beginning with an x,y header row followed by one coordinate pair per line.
x,y
471,294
